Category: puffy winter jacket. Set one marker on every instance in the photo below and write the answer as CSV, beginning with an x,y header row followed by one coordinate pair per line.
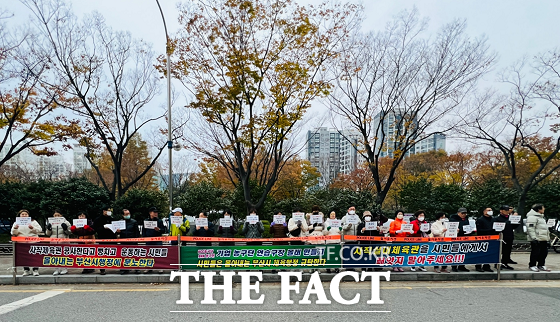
x,y
317,231
131,231
347,228
228,232
86,232
331,231
396,226
25,231
201,232
181,230
296,231
279,231
59,231
536,227
437,228
253,230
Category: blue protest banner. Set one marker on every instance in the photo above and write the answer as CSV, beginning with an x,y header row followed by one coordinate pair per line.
x,y
421,254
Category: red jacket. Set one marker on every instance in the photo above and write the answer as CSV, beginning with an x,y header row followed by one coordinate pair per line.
x,y
416,228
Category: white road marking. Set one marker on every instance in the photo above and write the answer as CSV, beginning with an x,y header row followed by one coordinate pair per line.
x,y
29,300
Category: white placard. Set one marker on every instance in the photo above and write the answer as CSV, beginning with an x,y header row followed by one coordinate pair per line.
x,y
407,228
515,219
336,223
23,221
279,219
79,223
110,226
452,228
225,222
551,222
119,224
371,225
150,224
499,226
176,220
252,219
298,216
468,229
56,221
472,223
201,222
425,227
385,229
352,219
316,219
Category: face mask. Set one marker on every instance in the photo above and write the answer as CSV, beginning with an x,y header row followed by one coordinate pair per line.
x,y
368,218
490,213
226,216
351,212
444,219
420,218
400,216
126,217
109,213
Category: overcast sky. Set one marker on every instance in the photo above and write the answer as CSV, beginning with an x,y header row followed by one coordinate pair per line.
x,y
514,27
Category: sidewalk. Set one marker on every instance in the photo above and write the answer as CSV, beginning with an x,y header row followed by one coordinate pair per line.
x,y
74,276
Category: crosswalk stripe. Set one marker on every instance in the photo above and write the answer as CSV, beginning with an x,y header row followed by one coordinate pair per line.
x,y
28,301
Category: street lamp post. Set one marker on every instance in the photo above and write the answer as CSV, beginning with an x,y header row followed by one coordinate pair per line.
x,y
169,137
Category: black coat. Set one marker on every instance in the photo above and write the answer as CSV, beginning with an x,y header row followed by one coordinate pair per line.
x,y
375,233
153,232
131,230
201,232
484,226
462,223
102,232
508,230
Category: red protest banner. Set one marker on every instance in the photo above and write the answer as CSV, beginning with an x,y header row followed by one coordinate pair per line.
x,y
96,256
421,239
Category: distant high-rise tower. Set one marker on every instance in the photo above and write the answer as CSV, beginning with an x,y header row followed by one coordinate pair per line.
x,y
80,161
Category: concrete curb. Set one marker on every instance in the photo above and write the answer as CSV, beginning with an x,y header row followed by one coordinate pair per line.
x,y
273,278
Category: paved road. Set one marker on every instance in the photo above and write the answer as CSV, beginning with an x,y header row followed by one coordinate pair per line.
x,y
412,301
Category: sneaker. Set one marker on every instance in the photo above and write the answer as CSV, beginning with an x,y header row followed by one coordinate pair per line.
x,y
55,272
534,268
437,270
512,262
64,271
506,266
413,269
26,273
35,273
422,269
444,270
543,268
400,269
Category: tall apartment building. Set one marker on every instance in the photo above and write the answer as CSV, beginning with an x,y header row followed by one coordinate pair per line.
x,y
393,124
80,161
332,152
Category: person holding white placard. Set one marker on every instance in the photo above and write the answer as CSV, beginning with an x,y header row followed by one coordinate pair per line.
x,y
279,230
297,226
253,230
58,227
58,230
461,218
508,235
157,231
178,225
331,230
85,232
539,236
203,231
316,229
33,229
102,226
438,229
417,224
228,232
484,228
131,231
350,222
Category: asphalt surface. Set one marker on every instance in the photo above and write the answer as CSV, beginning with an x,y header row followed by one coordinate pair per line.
x,y
404,301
